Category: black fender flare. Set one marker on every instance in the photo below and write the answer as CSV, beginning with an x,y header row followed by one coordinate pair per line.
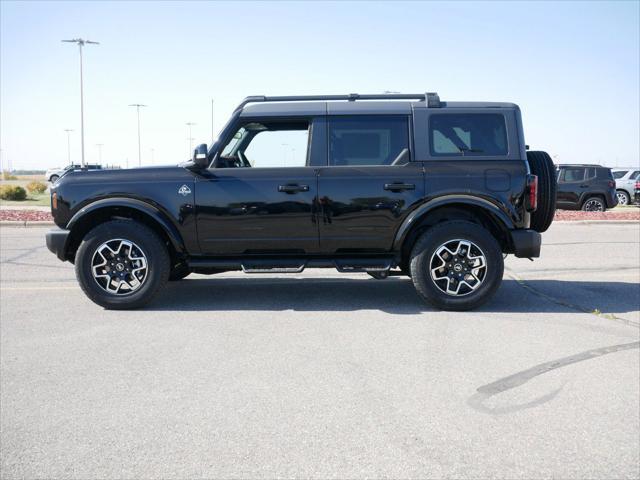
x,y
144,207
417,214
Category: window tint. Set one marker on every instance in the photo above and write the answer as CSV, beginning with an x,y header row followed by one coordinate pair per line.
x,y
619,174
368,140
591,172
635,175
573,174
468,134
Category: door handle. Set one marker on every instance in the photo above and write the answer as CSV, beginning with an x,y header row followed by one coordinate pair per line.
x,y
293,188
584,186
398,187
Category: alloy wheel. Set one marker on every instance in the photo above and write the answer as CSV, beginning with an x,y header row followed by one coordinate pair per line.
x,y
458,267
119,266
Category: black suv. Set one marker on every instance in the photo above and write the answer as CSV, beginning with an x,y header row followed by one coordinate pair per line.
x,y
393,184
587,187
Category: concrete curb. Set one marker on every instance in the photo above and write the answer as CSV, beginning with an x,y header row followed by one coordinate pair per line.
x,y
26,223
608,222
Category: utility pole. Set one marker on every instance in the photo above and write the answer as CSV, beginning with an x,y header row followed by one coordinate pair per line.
x,y
99,145
68,130
81,43
190,124
138,105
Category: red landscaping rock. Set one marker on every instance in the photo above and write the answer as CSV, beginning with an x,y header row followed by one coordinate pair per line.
x,y
25,215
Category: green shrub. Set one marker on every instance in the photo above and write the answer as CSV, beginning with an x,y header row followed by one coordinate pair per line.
x,y
7,176
36,187
12,192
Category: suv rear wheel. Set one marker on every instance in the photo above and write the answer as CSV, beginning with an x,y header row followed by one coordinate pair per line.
x,y
594,204
623,197
456,265
121,264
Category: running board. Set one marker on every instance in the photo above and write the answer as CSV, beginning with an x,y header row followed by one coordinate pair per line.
x,y
294,265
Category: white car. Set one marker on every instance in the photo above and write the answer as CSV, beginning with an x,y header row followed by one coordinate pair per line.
x,y
625,182
53,174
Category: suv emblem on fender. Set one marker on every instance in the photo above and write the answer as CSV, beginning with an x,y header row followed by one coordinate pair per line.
x,y
184,190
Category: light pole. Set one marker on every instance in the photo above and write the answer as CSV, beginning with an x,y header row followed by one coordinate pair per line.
x,y
99,145
81,43
190,124
138,105
68,130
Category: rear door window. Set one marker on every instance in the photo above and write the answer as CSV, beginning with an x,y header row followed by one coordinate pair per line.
x,y
368,140
468,134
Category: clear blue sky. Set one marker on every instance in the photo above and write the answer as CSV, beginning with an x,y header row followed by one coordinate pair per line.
x,y
572,67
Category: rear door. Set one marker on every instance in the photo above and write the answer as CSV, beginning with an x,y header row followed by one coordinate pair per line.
x,y
369,184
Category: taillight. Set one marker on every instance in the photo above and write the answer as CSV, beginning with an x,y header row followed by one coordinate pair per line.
x,y
612,184
532,193
638,185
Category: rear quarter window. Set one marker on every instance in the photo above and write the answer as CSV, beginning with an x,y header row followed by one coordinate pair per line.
x,y
468,134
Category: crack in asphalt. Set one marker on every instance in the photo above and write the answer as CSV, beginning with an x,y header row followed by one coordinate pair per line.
x,y
572,306
485,392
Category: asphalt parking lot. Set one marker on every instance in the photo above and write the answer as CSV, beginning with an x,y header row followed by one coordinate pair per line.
x,y
326,375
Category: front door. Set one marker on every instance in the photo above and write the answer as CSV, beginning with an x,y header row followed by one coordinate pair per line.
x,y
259,196
369,186
571,185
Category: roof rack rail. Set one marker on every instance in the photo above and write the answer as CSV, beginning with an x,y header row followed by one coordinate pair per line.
x,y
430,98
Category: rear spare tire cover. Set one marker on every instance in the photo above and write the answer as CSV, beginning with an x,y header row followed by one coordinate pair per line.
x,y
541,165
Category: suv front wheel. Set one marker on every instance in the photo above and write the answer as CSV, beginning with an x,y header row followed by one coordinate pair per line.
x,y
456,265
122,264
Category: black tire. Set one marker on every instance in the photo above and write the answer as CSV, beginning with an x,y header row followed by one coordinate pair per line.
x,y
541,164
623,197
54,178
148,242
424,251
594,204
179,272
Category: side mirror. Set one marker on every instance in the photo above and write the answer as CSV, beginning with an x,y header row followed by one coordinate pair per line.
x,y
200,155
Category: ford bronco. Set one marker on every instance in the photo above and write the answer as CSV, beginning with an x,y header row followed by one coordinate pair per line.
x,y
395,184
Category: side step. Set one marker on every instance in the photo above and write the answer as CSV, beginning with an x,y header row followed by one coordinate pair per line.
x,y
294,265
363,265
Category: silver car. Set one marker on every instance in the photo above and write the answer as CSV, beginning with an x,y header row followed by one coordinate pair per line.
x,y
625,182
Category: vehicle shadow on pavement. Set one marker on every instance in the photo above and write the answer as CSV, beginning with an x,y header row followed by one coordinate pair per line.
x,y
394,295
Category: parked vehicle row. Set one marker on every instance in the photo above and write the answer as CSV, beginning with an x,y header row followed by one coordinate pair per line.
x,y
399,185
53,174
585,187
626,179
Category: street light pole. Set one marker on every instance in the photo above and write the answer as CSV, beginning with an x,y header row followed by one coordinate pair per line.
x,y
138,105
81,43
68,130
99,145
190,124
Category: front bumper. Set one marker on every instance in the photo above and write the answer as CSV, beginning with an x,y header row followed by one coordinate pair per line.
x,y
526,243
57,242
